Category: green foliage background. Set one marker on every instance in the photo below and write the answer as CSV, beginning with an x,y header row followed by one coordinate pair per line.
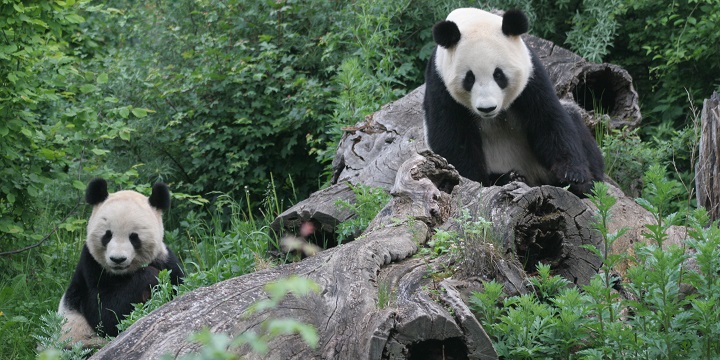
x,y
242,102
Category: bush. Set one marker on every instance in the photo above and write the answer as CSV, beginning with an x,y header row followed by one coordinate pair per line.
x,y
669,48
241,90
49,111
656,320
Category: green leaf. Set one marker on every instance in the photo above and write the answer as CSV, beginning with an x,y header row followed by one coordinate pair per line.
x,y
102,78
88,88
125,134
12,77
78,185
75,19
124,112
99,152
139,112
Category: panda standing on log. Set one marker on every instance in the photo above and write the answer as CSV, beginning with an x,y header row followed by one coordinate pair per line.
x,y
119,264
492,112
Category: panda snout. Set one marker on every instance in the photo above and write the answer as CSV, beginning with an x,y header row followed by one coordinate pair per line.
x,y
486,110
118,259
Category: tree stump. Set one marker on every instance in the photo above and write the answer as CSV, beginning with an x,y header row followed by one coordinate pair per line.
x,y
707,170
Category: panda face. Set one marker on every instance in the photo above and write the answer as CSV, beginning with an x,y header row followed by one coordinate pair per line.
x,y
125,233
482,60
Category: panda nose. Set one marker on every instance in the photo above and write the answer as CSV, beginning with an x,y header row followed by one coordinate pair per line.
x,y
118,260
487,109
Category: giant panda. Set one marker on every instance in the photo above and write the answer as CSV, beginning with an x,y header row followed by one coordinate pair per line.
x,y
492,112
120,261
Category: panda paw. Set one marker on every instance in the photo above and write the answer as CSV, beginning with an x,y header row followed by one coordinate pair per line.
x,y
572,174
575,177
515,176
581,189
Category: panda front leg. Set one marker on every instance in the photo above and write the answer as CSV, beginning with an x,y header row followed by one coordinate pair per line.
x,y
559,148
553,133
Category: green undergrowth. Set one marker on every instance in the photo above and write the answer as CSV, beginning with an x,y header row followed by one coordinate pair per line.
x,y
669,310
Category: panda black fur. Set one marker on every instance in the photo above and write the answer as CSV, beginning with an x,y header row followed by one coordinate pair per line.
x,y
120,261
492,112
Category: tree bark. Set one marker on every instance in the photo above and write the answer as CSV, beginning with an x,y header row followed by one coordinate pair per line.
x,y
707,169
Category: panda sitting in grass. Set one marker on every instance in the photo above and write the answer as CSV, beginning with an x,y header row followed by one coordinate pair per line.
x,y
119,264
492,112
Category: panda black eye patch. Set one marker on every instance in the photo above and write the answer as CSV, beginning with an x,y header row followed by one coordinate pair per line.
x,y
500,78
468,81
106,238
135,240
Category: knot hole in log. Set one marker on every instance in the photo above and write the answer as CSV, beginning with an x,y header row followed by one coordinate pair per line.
x,y
597,91
539,236
551,227
452,348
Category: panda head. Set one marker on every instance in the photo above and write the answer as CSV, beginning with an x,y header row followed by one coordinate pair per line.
x,y
125,230
482,60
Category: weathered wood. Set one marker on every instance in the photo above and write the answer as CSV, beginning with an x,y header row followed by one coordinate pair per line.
x,y
421,314
346,313
372,151
707,169
536,225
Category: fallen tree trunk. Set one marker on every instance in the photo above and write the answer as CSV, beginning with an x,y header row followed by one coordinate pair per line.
x,y
544,224
425,315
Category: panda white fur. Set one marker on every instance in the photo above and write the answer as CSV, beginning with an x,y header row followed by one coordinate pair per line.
x,y
492,112
122,256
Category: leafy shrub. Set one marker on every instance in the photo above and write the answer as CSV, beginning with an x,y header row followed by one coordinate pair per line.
x,y
668,48
658,319
51,110
241,90
627,158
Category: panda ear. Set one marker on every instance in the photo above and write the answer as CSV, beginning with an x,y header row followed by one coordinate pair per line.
x,y
514,23
160,197
446,34
96,191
